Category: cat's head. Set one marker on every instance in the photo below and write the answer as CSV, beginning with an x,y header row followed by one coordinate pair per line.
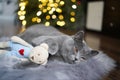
x,y
81,50
75,49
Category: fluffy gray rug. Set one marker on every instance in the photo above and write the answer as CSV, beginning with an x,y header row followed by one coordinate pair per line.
x,y
92,69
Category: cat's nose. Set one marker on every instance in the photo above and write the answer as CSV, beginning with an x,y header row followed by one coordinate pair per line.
x,y
76,60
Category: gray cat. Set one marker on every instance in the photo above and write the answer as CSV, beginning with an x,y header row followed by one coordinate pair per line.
x,y
71,49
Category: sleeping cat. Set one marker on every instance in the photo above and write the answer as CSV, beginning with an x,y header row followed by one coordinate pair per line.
x,y
71,49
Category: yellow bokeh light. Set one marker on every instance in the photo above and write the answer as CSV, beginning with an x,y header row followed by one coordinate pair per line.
x,y
59,10
53,9
40,6
57,1
48,8
33,19
58,22
44,10
22,8
54,16
55,5
48,4
44,4
21,17
72,19
21,12
50,12
50,1
72,13
52,5
39,13
62,3
74,6
73,0
47,23
44,1
38,20
61,17
24,22
22,4
47,17
61,23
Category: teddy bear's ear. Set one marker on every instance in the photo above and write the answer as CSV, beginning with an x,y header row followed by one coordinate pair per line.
x,y
51,41
45,46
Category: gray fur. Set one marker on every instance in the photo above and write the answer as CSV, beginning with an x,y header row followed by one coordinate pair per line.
x,y
93,67
60,45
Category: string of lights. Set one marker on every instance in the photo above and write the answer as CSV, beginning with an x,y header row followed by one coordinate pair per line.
x,y
22,13
49,12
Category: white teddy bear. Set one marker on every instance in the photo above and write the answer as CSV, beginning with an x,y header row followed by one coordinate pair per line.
x,y
23,50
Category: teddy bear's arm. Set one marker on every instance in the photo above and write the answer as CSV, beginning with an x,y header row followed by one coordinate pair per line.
x,y
24,60
20,41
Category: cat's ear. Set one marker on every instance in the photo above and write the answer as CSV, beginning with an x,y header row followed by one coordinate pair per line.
x,y
91,54
79,36
52,43
78,39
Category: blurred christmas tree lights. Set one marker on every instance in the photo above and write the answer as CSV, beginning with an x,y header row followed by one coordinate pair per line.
x,y
60,13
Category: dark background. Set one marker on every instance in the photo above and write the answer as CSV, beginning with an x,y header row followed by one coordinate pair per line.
x,y
111,17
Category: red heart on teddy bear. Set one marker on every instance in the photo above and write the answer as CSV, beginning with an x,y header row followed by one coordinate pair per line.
x,y
21,51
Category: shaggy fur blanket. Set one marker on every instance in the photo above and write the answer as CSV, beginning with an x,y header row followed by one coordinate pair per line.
x,y
92,69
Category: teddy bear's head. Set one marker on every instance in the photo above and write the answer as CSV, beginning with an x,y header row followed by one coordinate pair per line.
x,y
39,54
